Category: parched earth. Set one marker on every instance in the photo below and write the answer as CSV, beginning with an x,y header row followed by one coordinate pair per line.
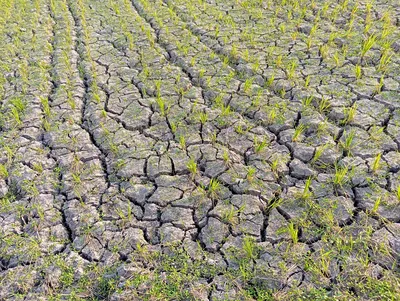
x,y
199,150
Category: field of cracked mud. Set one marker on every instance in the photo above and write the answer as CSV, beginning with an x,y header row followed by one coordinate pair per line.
x,y
199,150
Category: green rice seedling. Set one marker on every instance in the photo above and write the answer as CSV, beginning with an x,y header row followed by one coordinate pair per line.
x,y
272,115
3,171
293,232
358,71
46,125
225,61
314,29
15,115
349,114
161,105
182,142
203,117
278,61
307,81
257,99
213,137
96,98
213,188
298,131
307,194
157,84
38,167
226,157
376,205
324,105
201,73
192,167
239,129
384,61
259,145
367,44
255,66
322,128
270,80
219,101
247,85
70,100
228,216
376,164
250,248
18,104
225,111
230,76
274,166
337,59
45,106
379,86
282,27
173,127
398,193
307,102
324,51
251,171
309,42
340,176
348,141
291,70
318,153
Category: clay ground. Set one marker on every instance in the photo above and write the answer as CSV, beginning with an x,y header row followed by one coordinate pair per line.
x,y
199,150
